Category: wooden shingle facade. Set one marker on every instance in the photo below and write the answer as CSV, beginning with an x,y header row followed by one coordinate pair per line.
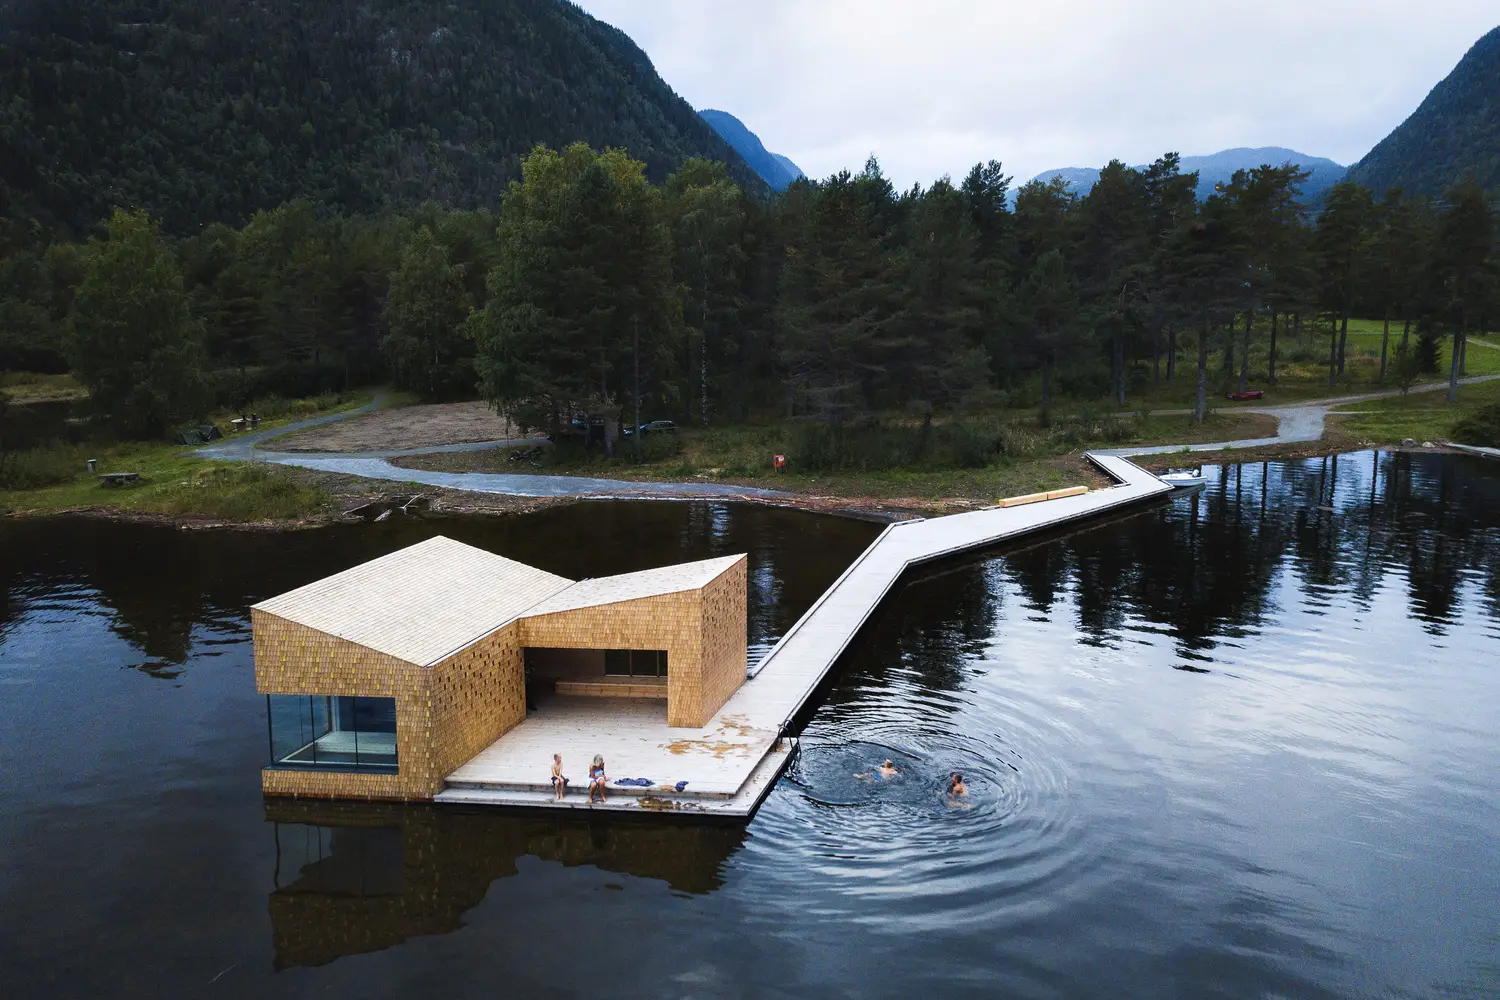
x,y
386,678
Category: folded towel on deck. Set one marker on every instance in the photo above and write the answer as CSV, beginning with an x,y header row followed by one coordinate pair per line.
x,y
642,782
680,785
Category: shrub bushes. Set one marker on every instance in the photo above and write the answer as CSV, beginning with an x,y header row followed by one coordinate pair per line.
x,y
956,444
36,468
243,492
1480,428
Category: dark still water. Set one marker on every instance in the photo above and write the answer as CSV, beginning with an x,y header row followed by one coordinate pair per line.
x,y
1243,745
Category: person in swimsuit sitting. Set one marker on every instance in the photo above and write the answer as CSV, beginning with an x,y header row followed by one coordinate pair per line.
x,y
597,779
559,783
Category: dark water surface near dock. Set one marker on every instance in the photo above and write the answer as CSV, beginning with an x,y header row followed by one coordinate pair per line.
x,y
1246,744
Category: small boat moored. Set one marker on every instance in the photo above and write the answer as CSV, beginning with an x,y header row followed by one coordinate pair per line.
x,y
1182,480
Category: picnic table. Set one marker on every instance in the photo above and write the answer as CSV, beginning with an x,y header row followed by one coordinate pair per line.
x,y
118,478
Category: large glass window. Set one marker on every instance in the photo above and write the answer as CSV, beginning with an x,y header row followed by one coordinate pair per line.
x,y
332,733
635,662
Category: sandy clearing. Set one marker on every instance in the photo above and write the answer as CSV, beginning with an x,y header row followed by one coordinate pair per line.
x,y
422,426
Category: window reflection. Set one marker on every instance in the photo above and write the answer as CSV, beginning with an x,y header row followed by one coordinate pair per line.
x,y
332,732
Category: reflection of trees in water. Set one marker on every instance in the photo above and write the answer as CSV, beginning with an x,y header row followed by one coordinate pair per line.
x,y
924,634
1206,565
1203,566
173,594
359,877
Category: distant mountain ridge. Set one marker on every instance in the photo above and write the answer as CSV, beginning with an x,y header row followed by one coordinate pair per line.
x,y
1453,134
1219,168
773,168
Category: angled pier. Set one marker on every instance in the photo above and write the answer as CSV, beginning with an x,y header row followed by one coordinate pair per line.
x,y
729,764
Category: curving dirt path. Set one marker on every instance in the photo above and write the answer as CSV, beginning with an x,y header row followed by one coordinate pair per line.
x,y
1296,423
376,465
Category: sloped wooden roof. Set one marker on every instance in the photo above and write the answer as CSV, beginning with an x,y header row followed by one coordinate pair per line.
x,y
632,586
421,603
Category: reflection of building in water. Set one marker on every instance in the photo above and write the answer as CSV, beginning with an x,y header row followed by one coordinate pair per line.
x,y
360,877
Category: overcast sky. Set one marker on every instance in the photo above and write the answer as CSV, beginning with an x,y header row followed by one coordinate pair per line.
x,y
933,86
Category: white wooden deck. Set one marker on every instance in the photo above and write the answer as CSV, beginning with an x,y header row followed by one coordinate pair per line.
x,y
730,763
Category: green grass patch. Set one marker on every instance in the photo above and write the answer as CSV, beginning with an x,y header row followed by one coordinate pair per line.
x,y
38,387
275,411
1419,416
173,481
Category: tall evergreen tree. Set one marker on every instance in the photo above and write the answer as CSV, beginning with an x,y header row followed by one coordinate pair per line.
x,y
427,342
1340,239
1393,261
133,342
838,295
582,306
1464,268
1112,258
1050,309
938,360
710,219
1170,202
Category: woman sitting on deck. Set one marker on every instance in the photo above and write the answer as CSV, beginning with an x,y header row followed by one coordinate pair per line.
x,y
597,779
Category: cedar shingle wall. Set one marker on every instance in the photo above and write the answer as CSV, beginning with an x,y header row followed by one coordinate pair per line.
x,y
445,714
478,695
703,632
724,638
295,659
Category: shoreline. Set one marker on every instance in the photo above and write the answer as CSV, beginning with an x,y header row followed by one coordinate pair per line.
x,y
451,503
459,480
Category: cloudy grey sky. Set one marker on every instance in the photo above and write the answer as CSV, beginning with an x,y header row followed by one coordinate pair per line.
x,y
933,86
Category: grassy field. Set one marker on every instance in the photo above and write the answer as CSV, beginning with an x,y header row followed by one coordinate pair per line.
x,y
1420,417
1302,370
36,387
173,480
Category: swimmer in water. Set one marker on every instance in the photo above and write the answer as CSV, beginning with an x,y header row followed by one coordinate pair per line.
x,y
956,787
884,772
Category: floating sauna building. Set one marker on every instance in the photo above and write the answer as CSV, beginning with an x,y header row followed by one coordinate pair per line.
x,y
384,679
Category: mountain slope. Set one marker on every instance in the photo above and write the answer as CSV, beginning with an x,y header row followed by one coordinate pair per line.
x,y
1219,168
789,166
209,111
1454,133
773,168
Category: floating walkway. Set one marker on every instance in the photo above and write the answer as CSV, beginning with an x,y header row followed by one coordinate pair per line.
x,y
728,766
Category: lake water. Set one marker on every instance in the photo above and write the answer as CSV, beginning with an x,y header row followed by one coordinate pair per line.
x,y
1245,744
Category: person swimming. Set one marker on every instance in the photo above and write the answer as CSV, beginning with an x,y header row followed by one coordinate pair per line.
x,y
885,772
956,787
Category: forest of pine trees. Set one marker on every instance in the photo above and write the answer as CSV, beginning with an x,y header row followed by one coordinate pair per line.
x,y
593,289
